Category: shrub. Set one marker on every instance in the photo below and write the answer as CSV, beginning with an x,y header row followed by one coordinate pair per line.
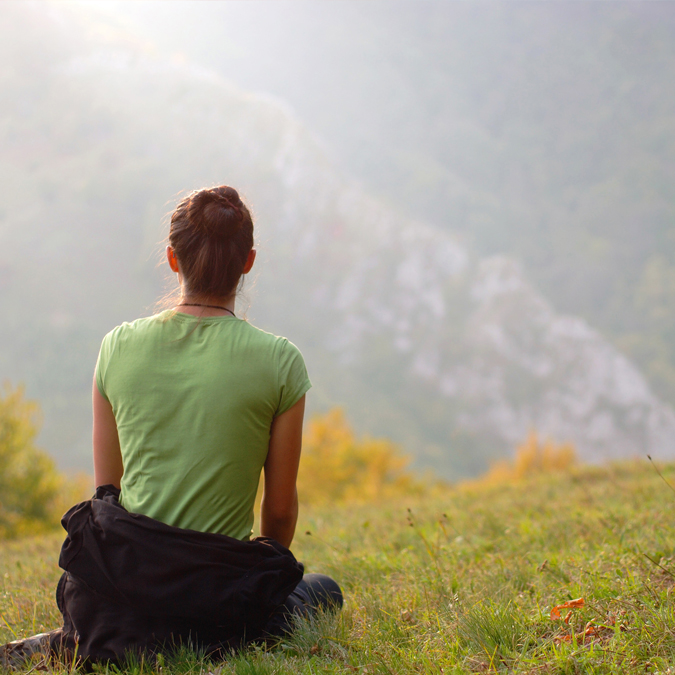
x,y
32,492
533,457
336,466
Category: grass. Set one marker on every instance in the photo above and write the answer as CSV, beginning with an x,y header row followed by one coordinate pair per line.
x,y
459,582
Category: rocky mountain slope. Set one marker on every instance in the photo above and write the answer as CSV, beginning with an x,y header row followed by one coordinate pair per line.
x,y
479,355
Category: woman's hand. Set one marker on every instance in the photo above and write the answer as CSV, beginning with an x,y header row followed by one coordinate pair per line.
x,y
279,509
108,468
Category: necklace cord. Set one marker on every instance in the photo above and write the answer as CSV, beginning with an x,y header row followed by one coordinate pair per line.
x,y
197,304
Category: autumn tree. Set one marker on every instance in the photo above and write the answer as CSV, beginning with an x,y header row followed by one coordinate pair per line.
x,y
29,482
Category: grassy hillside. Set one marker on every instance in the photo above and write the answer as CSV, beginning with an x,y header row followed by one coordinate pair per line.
x,y
458,582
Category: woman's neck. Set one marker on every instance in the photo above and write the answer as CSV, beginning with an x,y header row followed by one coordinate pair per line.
x,y
202,306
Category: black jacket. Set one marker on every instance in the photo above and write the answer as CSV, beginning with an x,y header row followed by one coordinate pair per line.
x,y
135,584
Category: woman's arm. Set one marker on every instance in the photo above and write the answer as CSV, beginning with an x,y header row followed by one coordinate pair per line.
x,y
108,467
279,509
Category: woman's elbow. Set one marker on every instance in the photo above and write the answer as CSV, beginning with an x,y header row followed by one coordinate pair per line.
x,y
278,520
274,511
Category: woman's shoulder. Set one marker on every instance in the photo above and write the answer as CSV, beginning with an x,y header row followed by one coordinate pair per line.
x,y
273,341
138,325
141,323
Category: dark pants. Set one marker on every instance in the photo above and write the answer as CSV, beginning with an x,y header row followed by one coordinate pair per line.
x,y
315,593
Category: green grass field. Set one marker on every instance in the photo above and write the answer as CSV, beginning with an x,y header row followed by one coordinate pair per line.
x,y
460,582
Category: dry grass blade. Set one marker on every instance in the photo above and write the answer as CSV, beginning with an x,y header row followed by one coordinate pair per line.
x,y
651,560
649,457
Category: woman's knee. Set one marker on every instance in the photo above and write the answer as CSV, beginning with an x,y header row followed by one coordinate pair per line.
x,y
322,591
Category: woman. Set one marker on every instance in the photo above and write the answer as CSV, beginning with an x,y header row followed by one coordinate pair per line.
x,y
190,405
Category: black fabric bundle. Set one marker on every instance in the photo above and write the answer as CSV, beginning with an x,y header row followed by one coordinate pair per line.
x,y
135,584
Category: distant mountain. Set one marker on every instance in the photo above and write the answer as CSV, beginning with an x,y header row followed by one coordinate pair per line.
x,y
543,130
454,355
457,355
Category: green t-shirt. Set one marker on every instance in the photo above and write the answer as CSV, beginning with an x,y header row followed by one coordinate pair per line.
x,y
194,399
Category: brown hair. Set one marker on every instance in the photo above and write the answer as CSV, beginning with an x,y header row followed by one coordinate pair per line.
x,y
211,234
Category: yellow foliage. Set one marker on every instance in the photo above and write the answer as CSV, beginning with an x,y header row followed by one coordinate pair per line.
x,y
338,467
532,457
72,490
32,491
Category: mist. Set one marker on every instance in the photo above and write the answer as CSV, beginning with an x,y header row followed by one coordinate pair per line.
x,y
402,158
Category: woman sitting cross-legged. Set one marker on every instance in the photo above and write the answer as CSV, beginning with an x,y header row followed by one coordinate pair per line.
x,y
190,406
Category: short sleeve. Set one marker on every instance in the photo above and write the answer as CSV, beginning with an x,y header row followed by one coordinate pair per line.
x,y
102,365
294,382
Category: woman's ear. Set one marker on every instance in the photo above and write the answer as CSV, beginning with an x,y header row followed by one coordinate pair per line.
x,y
171,258
249,261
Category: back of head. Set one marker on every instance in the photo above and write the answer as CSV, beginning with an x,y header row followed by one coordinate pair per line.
x,y
211,234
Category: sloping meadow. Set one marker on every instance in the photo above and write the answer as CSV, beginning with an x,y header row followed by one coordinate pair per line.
x,y
561,573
